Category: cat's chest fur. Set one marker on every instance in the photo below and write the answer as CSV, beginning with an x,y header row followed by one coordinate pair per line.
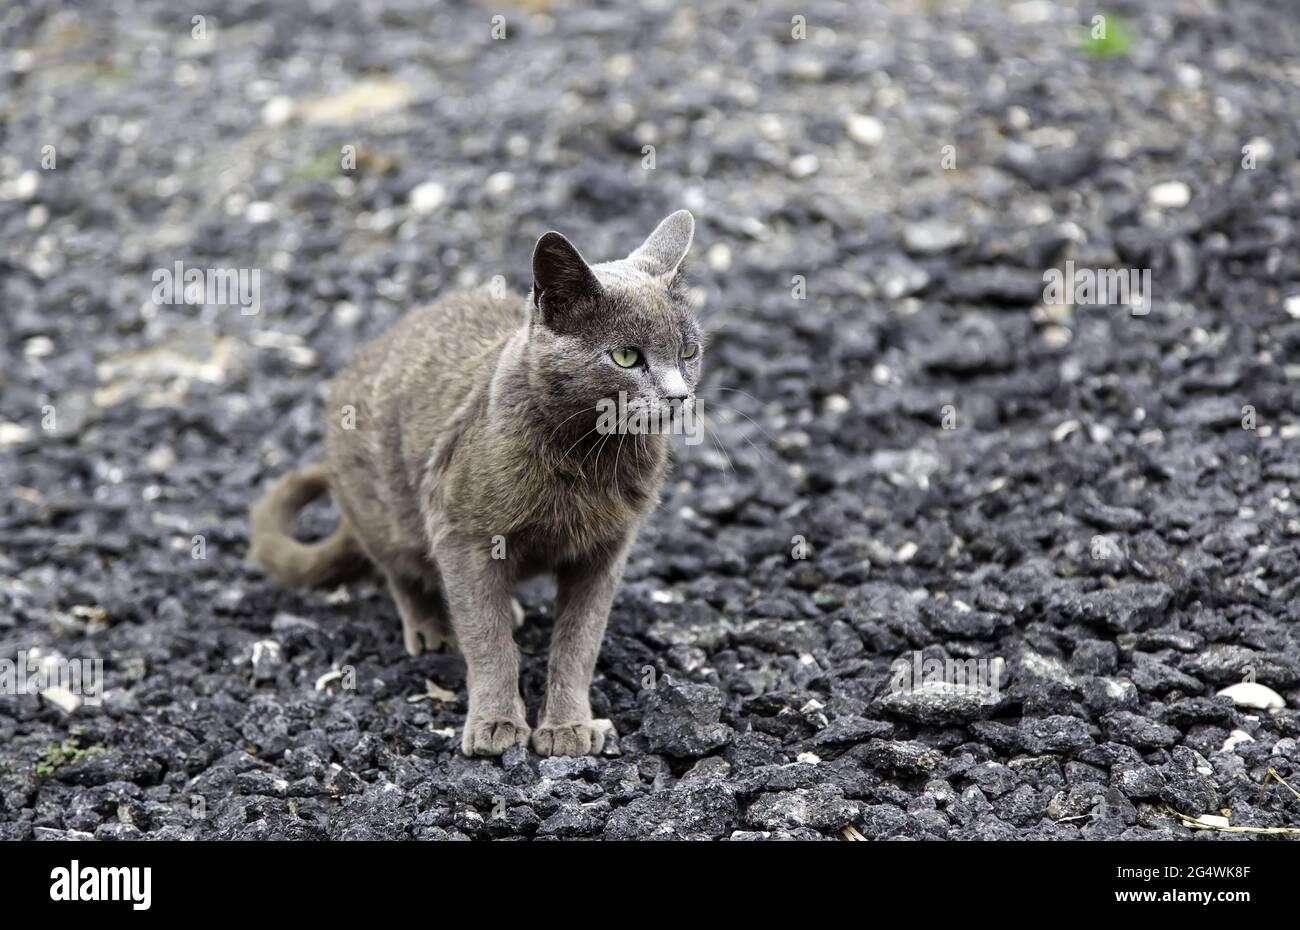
x,y
553,500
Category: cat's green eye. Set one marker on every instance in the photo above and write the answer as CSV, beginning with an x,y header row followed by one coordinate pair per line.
x,y
625,358
689,350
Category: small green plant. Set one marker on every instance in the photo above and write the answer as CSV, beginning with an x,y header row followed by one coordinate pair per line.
x,y
1109,36
321,167
56,755
112,70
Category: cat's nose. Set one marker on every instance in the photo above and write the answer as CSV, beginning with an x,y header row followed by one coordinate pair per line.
x,y
673,387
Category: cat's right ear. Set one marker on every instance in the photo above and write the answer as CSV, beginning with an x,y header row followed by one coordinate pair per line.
x,y
561,280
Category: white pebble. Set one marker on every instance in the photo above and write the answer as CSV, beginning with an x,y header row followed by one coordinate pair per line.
x,y
964,46
13,433
1057,337
1237,736
21,188
865,130
1100,434
719,257
277,112
324,680
836,403
1261,148
1033,11
160,459
38,347
1065,429
266,659
500,184
1171,195
1293,306
930,237
259,212
427,197
346,313
805,166
770,125
62,698
1188,75
1253,694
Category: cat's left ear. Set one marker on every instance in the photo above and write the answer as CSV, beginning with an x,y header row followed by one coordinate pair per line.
x,y
663,251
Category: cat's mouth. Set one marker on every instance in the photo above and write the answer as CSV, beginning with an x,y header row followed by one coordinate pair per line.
x,y
670,408
644,414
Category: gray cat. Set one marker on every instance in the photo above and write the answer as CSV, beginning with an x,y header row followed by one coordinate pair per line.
x,y
466,452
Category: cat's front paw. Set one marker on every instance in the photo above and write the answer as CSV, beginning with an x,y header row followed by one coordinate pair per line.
x,y
492,737
571,739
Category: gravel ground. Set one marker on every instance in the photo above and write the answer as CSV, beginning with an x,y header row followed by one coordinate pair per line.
x,y
1064,493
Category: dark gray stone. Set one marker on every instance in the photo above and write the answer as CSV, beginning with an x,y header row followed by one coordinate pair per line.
x,y
682,719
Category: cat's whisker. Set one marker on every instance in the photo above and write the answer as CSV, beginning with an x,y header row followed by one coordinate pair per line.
x,y
716,402
617,491
759,427
759,452
578,440
721,448
595,466
595,447
718,387
567,419
582,465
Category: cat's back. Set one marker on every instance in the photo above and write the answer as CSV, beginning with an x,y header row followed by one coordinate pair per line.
x,y
465,325
439,349
410,380
459,327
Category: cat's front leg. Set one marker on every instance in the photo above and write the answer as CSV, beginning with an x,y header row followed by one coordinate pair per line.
x,y
480,597
584,594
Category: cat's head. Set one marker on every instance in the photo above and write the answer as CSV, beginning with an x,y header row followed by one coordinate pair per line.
x,y
620,328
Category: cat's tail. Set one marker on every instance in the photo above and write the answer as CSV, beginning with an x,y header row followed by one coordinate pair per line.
x,y
333,560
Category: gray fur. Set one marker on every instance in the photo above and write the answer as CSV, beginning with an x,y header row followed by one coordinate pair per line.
x,y
475,427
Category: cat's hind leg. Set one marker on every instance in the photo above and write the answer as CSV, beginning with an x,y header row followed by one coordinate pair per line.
x,y
425,623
